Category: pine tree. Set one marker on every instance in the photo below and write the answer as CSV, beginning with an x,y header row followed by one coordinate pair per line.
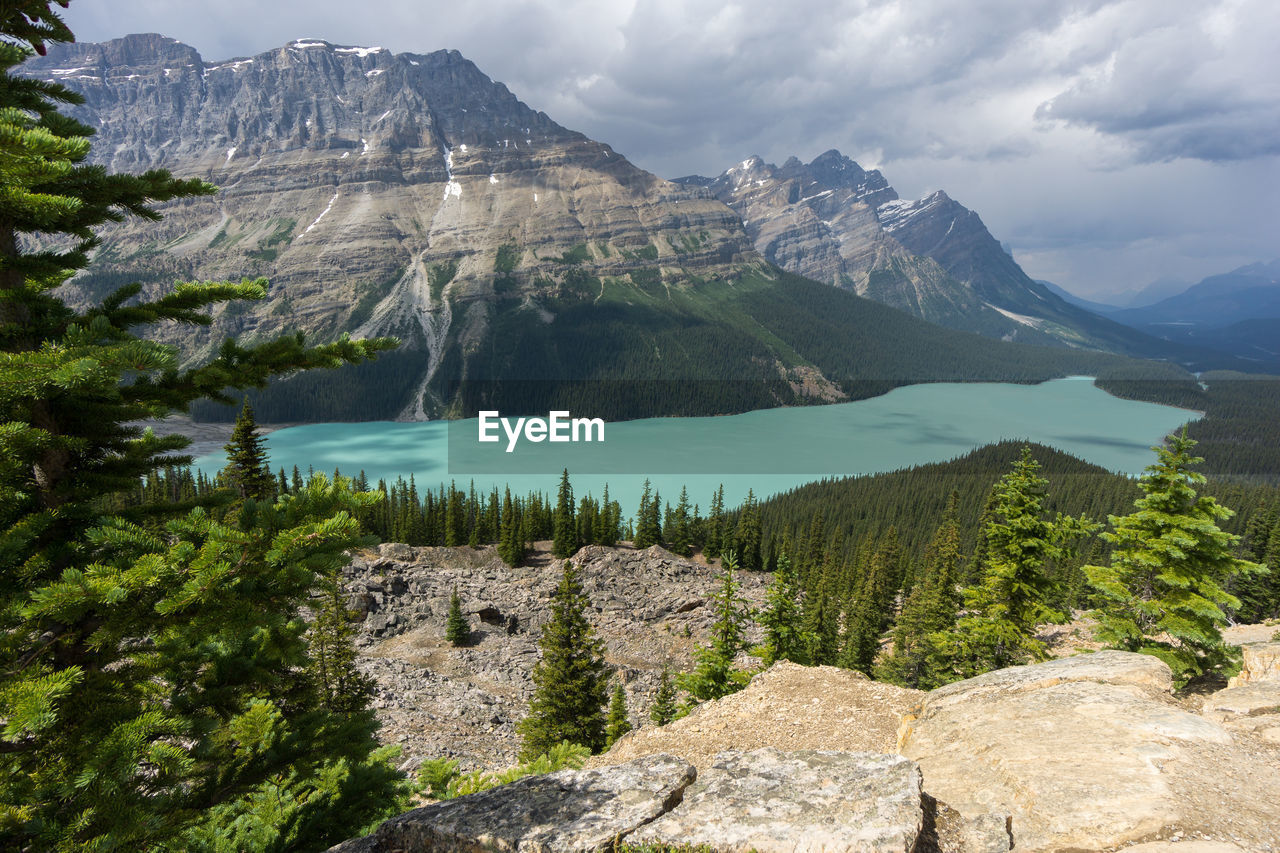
x,y
648,519
247,473
930,609
715,526
331,638
678,532
715,675
747,538
154,675
618,723
664,702
456,629
1169,564
784,637
570,681
1016,588
565,539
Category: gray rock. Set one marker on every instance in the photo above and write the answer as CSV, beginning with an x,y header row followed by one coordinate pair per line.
x,y
573,810
768,800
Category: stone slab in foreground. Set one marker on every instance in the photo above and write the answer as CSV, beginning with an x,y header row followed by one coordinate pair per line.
x,y
771,801
564,812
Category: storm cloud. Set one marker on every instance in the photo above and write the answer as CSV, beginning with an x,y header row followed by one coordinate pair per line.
x,y
1109,142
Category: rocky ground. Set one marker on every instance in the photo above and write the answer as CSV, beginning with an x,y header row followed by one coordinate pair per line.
x,y
1087,752
434,700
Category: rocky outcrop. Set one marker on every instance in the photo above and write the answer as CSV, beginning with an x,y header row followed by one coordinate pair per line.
x,y
436,700
1261,662
772,802
564,812
380,193
763,800
1252,707
835,222
1090,753
788,707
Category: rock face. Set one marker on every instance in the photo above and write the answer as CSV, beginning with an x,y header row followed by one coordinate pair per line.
x,y
788,707
435,700
764,800
1261,663
1090,753
772,801
564,812
835,222
381,193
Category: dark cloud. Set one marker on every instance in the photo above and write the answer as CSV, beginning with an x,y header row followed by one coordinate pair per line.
x,y
1107,140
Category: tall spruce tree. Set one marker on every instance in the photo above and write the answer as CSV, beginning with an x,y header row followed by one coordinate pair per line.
x,y
570,681
784,636
565,539
1164,592
664,701
155,681
456,629
1018,543
715,675
248,473
618,722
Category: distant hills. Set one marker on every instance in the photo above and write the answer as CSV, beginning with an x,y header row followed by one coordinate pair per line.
x,y
409,194
1237,313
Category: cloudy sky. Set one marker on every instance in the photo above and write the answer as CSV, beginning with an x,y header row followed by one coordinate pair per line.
x,y
1108,142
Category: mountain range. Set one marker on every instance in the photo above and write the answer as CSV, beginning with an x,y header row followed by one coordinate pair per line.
x,y
409,194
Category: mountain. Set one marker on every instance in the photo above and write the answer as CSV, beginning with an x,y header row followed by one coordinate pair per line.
x,y
1102,308
835,222
1236,313
1161,288
1245,293
411,195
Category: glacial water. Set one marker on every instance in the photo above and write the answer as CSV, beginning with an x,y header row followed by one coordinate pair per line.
x,y
768,451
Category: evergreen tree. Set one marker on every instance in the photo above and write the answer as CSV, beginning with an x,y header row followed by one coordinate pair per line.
x,y
930,609
248,473
715,675
784,637
648,519
456,629
510,543
565,540
331,647
747,538
679,533
618,723
1163,593
715,526
154,676
570,681
664,702
1016,588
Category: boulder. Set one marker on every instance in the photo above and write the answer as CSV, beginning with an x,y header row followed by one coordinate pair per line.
x,y
572,810
1261,663
767,800
1252,707
1088,753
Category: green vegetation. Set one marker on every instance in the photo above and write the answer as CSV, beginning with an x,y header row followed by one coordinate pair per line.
x,y
269,248
438,276
575,255
617,724
570,680
456,629
715,675
440,778
1166,586
158,685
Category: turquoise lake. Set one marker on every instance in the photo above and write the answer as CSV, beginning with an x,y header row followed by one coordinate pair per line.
x,y
768,451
